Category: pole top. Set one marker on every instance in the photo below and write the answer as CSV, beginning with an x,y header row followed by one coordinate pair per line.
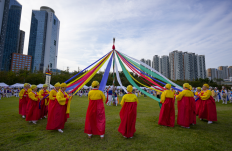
x,y
113,47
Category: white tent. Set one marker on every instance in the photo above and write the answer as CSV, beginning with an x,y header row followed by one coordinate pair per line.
x,y
85,87
2,84
41,86
17,85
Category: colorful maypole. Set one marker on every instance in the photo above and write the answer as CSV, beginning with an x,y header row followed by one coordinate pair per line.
x,y
113,89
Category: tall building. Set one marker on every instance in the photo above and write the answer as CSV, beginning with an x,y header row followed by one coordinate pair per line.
x,y
21,42
224,70
20,62
230,71
176,63
189,66
10,16
148,62
212,73
219,74
143,60
201,67
164,66
155,62
44,39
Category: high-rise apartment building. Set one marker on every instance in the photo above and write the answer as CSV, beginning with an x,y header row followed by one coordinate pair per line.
x,y
148,62
212,73
230,71
155,62
21,42
224,70
219,74
164,66
176,63
201,71
189,66
143,60
44,38
10,16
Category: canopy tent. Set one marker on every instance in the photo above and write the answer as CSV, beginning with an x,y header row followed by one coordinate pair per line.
x,y
41,86
153,79
17,85
2,84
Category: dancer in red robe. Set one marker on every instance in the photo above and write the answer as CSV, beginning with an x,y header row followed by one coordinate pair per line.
x,y
207,109
33,106
60,110
52,96
95,116
128,114
43,94
198,102
186,107
23,100
167,111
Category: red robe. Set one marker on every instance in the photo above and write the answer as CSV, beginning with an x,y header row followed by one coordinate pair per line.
x,y
23,104
44,108
95,118
207,109
57,116
167,113
128,116
186,111
33,110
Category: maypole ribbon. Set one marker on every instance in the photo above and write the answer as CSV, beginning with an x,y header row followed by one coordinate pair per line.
x,y
133,83
86,68
118,77
106,75
92,75
88,71
154,71
123,59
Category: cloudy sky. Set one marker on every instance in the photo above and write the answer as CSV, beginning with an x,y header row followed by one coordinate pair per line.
x,y
142,28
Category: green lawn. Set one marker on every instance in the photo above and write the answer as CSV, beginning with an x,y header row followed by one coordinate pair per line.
x,y
17,134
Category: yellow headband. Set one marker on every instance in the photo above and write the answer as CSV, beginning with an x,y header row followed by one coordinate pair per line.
x,y
57,84
45,85
168,86
95,83
129,88
206,85
190,87
186,85
198,88
33,87
26,84
63,85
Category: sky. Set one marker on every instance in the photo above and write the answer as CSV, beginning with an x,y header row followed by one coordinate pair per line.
x,y
142,28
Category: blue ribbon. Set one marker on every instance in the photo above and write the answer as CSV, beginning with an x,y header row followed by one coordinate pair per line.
x,y
106,75
85,69
73,86
41,100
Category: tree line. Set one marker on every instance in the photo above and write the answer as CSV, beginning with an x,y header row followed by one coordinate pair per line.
x,y
24,76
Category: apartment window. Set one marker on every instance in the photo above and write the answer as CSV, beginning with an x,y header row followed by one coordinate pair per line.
x,y
54,43
54,22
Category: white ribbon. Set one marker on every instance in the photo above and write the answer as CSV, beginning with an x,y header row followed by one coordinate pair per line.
x,y
145,65
118,77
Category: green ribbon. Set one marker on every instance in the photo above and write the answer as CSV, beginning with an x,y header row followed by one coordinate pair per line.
x,y
133,83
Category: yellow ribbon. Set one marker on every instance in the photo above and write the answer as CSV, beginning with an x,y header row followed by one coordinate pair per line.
x,y
86,72
93,74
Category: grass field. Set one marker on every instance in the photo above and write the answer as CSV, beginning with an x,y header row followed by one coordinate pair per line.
x,y
17,134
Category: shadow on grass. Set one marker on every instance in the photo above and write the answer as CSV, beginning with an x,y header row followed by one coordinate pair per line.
x,y
25,137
